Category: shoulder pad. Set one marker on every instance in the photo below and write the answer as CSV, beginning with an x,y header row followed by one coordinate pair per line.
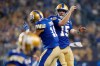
x,y
54,18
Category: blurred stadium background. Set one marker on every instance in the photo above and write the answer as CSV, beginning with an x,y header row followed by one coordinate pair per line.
x,y
87,14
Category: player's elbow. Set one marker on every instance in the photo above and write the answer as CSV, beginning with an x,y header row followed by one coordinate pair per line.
x,y
61,24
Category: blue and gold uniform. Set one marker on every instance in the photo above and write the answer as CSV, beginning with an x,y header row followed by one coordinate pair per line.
x,y
63,33
63,28
18,58
49,32
45,29
50,41
22,56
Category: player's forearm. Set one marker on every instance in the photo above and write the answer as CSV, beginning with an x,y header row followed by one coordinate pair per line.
x,y
38,32
66,18
26,27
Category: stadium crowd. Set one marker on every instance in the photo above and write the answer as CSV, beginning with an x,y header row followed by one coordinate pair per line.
x,y
13,12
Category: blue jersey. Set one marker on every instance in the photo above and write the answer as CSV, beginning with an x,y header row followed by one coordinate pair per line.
x,y
48,36
62,31
18,58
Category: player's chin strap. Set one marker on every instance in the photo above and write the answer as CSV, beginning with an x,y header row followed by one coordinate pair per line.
x,y
76,44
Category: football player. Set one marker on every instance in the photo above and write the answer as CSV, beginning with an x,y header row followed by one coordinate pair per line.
x,y
45,29
22,56
63,29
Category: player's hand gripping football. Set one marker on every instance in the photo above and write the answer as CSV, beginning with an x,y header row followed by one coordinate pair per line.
x,y
82,29
72,8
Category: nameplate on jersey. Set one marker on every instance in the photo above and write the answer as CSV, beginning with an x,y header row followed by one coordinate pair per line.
x,y
40,26
16,58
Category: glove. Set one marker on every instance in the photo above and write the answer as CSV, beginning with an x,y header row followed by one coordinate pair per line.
x,y
82,29
76,44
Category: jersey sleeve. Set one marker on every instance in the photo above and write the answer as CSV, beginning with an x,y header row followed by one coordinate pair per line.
x,y
26,26
50,17
40,25
70,24
54,19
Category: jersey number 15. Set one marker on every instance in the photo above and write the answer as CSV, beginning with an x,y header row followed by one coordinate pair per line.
x,y
64,31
